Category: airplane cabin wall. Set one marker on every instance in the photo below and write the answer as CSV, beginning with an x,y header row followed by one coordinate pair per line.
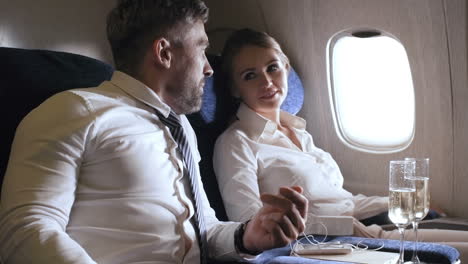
x,y
457,25
434,33
71,26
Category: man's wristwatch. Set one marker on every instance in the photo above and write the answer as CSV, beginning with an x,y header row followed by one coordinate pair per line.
x,y
239,240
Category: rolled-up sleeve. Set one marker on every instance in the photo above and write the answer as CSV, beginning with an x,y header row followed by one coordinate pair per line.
x,y
38,190
367,206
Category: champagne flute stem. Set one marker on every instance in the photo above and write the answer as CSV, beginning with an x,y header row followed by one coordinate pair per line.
x,y
401,230
415,258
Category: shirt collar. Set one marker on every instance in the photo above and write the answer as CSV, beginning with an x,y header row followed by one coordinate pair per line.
x,y
140,91
256,125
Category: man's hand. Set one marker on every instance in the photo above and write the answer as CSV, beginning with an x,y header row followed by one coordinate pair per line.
x,y
281,219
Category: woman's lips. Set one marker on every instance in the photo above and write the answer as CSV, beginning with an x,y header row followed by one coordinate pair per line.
x,y
269,95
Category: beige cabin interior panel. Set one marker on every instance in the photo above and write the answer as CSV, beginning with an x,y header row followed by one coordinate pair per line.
x,y
72,26
236,14
458,46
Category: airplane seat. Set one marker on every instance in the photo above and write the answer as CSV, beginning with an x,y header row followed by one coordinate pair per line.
x,y
31,76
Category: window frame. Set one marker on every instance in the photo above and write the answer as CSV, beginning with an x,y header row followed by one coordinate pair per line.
x,y
344,138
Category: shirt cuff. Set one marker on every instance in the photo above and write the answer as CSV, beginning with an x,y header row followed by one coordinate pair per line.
x,y
223,246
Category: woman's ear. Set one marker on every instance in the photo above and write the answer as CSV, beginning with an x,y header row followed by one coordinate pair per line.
x,y
161,52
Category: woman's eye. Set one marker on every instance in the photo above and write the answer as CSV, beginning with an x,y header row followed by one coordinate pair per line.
x,y
273,67
249,76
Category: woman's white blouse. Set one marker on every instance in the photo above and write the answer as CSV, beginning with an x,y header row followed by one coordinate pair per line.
x,y
252,156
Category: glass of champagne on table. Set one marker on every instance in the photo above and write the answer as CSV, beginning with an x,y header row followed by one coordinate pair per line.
x,y
401,197
421,198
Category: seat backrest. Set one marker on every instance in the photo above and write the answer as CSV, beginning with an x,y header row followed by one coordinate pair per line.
x,y
28,77
31,76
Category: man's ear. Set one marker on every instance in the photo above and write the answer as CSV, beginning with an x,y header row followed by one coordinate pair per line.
x,y
161,52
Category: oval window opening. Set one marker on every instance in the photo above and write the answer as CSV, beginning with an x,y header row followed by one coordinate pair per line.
x,y
371,91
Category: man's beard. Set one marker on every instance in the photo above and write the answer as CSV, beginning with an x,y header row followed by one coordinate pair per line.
x,y
189,100
189,104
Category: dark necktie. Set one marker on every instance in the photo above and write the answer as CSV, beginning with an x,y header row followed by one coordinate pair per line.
x,y
177,131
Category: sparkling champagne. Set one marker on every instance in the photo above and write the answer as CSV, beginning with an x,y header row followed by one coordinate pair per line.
x,y
401,206
421,198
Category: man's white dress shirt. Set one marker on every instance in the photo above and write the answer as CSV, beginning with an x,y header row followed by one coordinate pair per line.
x,y
95,177
252,157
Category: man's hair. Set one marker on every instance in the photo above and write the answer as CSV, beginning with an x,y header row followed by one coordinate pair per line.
x,y
246,37
133,25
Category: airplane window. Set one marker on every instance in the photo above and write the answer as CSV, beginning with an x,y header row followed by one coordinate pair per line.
x,y
371,91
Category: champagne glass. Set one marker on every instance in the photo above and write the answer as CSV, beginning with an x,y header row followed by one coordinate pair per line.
x,y
401,192
421,198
